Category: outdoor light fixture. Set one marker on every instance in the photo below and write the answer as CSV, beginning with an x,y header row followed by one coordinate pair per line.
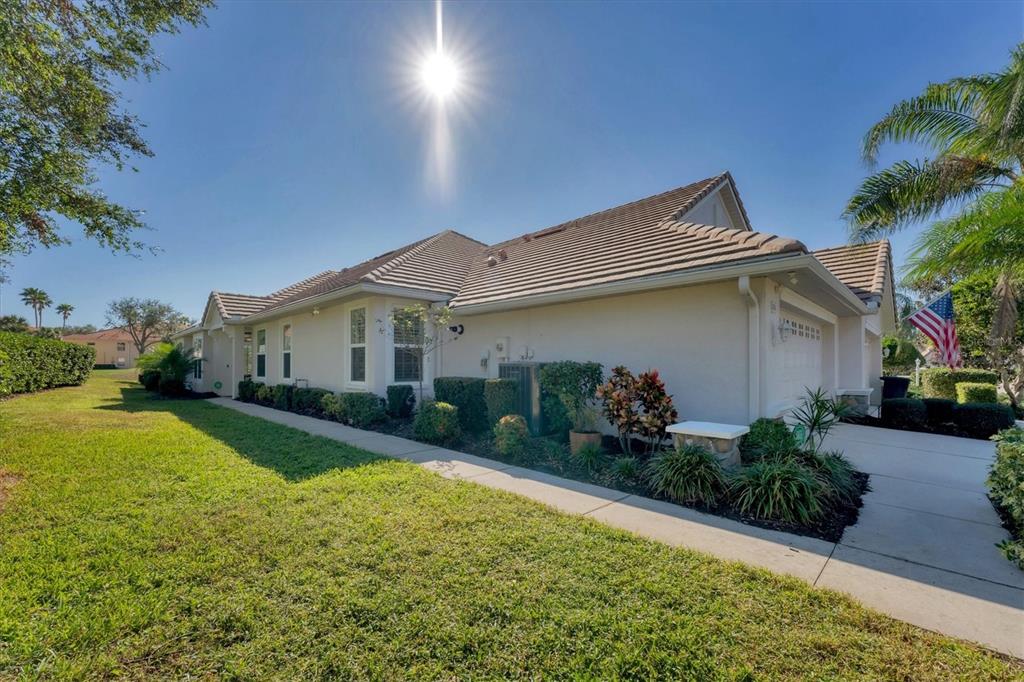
x,y
457,329
316,310
792,277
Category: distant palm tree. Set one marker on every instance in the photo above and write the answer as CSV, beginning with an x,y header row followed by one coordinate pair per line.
x,y
65,310
974,125
37,299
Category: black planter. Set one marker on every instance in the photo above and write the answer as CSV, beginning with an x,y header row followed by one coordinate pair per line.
x,y
895,387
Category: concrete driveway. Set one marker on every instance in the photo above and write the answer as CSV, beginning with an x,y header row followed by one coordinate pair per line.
x,y
924,545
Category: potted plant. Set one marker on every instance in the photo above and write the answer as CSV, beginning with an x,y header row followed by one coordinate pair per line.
x,y
575,384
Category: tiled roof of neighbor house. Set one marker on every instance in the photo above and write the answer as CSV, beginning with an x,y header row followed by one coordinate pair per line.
x,y
861,267
112,334
638,239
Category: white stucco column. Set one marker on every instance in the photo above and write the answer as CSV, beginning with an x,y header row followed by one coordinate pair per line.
x,y
852,369
873,361
236,357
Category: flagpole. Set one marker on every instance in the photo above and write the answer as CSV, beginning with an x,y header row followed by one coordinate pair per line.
x,y
937,297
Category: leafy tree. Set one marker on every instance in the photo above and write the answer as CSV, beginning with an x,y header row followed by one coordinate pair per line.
x,y
975,128
13,323
145,320
38,300
61,114
65,310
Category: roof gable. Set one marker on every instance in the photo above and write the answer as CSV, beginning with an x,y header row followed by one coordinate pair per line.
x,y
865,268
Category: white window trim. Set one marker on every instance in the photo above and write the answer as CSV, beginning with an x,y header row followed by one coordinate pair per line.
x,y
256,353
348,346
291,363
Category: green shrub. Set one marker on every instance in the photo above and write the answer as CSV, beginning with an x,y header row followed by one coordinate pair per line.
x,y
467,394
971,392
940,382
309,401
1006,488
982,420
590,456
264,394
437,422
780,490
360,410
30,363
401,400
575,384
150,379
626,468
511,436
767,438
172,386
501,397
247,390
282,397
940,411
688,474
904,413
1011,435
836,473
330,405
900,356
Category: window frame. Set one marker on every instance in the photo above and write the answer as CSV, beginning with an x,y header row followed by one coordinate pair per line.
x,y
262,355
121,346
351,345
397,346
286,365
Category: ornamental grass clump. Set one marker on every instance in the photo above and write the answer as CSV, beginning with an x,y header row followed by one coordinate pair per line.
x,y
778,490
836,473
687,474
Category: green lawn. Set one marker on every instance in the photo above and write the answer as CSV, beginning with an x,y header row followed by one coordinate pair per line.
x,y
145,537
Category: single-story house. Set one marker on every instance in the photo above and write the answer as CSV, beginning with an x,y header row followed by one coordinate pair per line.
x,y
113,346
737,322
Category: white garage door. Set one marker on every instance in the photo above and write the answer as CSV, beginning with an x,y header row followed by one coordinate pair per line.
x,y
801,366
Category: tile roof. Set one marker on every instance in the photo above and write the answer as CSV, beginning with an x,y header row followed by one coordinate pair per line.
x,y
638,239
241,305
112,334
861,267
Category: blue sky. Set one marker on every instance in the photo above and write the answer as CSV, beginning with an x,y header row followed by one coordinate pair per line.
x,y
288,140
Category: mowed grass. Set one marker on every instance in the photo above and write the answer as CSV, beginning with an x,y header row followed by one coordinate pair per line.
x,y
144,537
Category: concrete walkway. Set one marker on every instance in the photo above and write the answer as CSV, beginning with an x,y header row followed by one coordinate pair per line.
x,y
922,551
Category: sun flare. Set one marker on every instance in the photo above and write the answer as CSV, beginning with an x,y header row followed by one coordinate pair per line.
x,y
440,76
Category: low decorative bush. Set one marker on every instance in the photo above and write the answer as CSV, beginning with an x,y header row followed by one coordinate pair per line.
x,y
360,410
940,411
590,456
247,390
1006,488
437,422
150,379
904,413
309,401
401,400
767,438
971,392
467,394
626,468
836,473
501,397
982,420
779,490
29,363
282,397
689,474
264,395
511,436
818,413
637,406
940,382
171,386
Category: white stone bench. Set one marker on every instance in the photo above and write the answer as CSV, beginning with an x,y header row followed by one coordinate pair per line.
x,y
722,439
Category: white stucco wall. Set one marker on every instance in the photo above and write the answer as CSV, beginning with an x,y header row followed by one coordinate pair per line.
x,y
695,336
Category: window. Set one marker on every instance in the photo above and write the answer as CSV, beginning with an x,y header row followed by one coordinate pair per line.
x,y
408,347
286,351
261,353
120,346
197,364
357,345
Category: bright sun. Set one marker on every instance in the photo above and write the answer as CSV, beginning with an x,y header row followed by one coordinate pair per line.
x,y
439,75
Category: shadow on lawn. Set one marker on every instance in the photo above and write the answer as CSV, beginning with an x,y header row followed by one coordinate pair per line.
x,y
293,454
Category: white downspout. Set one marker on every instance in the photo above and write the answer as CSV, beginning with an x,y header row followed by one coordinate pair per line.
x,y
753,349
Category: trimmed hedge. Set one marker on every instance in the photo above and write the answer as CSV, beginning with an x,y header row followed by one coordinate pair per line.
x,y
401,400
467,394
108,365
309,401
29,363
1006,488
904,413
437,422
940,382
940,411
970,392
264,394
355,409
501,397
982,420
246,390
282,397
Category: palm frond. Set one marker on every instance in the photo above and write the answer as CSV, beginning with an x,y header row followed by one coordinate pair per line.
x,y
909,191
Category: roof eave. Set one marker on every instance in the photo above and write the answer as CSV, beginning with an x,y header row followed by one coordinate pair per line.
x,y
345,292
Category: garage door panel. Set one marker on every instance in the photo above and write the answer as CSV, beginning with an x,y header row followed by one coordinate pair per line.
x,y
801,351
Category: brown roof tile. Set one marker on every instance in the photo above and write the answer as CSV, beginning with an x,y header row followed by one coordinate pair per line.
x,y
861,267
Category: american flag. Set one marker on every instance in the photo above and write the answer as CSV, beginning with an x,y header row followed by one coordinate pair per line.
x,y
937,323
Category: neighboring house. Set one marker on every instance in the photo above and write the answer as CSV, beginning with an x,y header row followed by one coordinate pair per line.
x,y
113,346
737,322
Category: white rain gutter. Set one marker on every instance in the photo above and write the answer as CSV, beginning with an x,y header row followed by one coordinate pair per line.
x,y
753,349
358,288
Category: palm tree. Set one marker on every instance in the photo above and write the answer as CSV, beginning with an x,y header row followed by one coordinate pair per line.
x,y
37,299
986,239
974,126
65,310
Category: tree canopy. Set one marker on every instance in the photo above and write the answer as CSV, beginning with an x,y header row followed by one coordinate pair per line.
x,y
61,113
145,320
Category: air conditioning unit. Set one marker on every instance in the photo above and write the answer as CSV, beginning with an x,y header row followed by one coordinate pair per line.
x,y
528,403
